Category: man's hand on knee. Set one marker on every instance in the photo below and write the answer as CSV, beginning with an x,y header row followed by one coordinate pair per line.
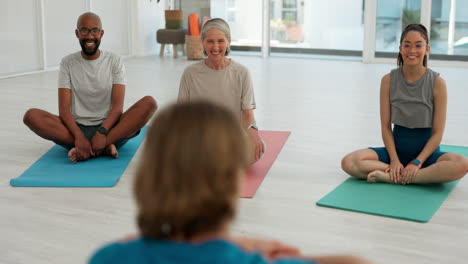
x,y
98,143
83,148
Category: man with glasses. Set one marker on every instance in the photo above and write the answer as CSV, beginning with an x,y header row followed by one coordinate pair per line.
x,y
91,82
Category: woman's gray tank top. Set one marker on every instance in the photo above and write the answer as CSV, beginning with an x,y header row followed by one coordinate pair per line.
x,y
412,104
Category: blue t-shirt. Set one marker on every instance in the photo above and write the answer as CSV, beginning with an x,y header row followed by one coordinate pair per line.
x,y
146,251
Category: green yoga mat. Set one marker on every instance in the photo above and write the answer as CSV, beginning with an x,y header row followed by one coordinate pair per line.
x,y
410,202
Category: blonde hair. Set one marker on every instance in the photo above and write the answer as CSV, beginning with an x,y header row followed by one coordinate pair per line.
x,y
187,182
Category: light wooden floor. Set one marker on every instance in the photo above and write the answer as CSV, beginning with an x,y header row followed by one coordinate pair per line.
x,y
331,107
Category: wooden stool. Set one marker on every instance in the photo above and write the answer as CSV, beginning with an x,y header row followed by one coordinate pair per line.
x,y
171,36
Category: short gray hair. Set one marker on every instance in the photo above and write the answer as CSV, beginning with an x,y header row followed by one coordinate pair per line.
x,y
220,24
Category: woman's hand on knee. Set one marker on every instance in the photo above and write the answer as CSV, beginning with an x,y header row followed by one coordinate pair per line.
x,y
395,169
409,173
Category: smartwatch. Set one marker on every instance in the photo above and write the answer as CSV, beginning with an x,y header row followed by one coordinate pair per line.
x,y
254,126
416,162
102,130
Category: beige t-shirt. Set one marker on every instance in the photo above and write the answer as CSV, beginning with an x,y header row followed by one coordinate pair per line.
x,y
230,87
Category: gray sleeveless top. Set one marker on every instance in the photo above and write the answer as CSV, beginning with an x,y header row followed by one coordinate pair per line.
x,y
412,104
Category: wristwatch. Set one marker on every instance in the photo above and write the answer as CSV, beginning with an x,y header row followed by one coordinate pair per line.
x,y
254,126
416,162
102,130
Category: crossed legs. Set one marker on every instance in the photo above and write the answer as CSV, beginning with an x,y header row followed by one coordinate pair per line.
x,y
365,164
362,162
51,127
133,119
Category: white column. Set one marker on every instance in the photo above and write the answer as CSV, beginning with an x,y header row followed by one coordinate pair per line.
x,y
132,21
426,7
370,20
41,35
266,29
451,30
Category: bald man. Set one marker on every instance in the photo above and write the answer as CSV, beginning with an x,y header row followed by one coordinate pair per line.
x,y
91,89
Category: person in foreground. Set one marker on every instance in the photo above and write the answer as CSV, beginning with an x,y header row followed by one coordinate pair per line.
x,y
187,189
223,81
91,95
414,99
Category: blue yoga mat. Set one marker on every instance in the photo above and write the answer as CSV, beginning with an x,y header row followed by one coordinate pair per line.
x,y
410,202
54,169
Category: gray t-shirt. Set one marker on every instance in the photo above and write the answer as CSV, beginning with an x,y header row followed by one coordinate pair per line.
x,y
412,104
91,84
230,87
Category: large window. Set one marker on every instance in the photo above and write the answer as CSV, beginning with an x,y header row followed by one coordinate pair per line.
x,y
306,26
449,27
245,20
337,27
286,28
289,10
392,18
317,26
231,11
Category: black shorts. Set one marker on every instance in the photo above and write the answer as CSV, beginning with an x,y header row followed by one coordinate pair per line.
x,y
90,131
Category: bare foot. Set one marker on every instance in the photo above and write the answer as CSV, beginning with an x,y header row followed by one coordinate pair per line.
x,y
72,155
111,150
378,176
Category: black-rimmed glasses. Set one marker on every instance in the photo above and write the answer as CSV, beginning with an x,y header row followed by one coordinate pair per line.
x,y
85,31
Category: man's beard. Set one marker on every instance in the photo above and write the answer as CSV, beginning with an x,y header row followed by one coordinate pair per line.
x,y
86,50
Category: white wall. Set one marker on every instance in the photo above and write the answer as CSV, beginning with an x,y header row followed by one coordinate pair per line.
x,y
147,18
59,28
20,42
129,25
115,18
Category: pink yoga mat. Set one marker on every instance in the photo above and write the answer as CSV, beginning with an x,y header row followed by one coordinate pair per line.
x,y
274,141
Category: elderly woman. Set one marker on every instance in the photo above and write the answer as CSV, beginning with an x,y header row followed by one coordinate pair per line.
x,y
222,81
